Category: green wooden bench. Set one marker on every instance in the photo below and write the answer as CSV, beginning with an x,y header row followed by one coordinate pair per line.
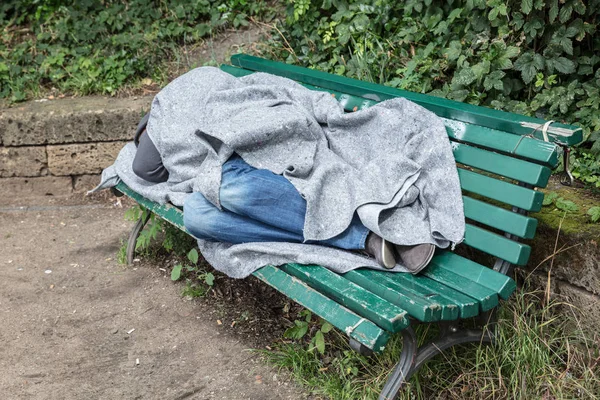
x,y
500,162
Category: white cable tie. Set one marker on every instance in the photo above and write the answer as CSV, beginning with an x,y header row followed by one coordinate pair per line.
x,y
545,130
351,329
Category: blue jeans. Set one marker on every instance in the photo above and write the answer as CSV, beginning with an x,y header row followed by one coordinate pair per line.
x,y
258,206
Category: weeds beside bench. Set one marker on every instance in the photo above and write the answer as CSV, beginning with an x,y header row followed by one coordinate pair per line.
x,y
500,163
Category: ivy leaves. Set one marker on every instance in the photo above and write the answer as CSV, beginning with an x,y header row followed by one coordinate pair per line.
x,y
529,64
534,57
494,80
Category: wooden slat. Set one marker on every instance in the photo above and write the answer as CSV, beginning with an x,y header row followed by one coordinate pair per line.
x,y
495,119
502,191
418,306
358,328
361,301
467,306
236,71
499,164
486,297
497,245
495,281
499,218
410,292
517,146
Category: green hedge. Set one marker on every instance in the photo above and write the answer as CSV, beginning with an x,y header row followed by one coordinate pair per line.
x,y
534,57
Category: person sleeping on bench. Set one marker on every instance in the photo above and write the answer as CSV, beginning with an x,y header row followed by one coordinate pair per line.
x,y
261,206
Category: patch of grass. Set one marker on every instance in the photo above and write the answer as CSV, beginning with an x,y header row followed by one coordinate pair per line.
x,y
122,253
194,289
540,352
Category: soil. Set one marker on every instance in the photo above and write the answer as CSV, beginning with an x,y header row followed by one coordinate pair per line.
x,y
76,324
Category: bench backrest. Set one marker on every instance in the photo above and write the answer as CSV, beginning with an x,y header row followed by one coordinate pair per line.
x,y
498,170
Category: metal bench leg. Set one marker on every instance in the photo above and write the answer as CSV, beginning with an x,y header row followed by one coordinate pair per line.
x,y
451,337
135,232
413,358
404,369
360,348
566,178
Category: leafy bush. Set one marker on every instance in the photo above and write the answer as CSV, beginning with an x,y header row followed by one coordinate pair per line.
x,y
92,46
534,57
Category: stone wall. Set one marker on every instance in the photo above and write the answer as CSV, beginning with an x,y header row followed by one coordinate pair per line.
x,y
58,146
574,270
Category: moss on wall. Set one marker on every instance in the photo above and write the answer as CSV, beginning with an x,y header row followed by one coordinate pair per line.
x,y
577,222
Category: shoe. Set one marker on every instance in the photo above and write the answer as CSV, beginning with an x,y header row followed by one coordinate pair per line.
x,y
415,258
382,250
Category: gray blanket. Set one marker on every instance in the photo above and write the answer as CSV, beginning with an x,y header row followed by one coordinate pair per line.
x,y
391,163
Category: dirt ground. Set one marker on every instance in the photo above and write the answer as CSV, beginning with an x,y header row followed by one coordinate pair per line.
x,y
75,324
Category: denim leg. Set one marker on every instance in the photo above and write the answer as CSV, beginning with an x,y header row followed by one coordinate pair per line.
x,y
263,196
205,221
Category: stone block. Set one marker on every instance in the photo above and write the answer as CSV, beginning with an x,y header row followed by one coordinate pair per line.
x,y
76,120
574,301
82,159
83,183
586,306
23,161
577,263
37,186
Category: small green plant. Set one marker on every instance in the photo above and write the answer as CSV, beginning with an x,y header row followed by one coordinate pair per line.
x,y
193,275
133,213
122,253
198,280
549,198
150,231
174,240
559,202
594,214
586,166
301,328
194,289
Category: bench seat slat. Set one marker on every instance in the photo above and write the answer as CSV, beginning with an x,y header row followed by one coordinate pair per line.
x,y
486,297
467,305
361,301
502,191
524,147
496,119
409,291
358,328
495,281
418,306
500,218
